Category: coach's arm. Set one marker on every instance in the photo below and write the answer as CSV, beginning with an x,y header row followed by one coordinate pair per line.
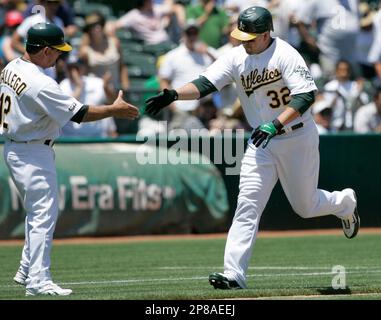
x,y
119,109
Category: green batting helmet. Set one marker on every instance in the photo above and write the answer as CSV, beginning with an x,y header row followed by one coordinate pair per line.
x,y
47,35
251,22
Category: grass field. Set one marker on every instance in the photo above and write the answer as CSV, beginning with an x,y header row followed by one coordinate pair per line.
x,y
282,267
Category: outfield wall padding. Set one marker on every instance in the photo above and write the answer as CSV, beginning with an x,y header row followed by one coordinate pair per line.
x,y
105,191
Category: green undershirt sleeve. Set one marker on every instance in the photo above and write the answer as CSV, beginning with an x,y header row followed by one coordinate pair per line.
x,y
204,86
302,101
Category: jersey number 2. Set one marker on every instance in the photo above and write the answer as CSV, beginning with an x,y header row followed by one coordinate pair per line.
x,y
279,98
5,107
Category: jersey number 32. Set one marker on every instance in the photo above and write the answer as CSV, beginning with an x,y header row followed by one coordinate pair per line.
x,y
279,98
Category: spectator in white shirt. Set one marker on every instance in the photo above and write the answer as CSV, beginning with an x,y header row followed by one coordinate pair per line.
x,y
366,42
345,96
89,90
237,6
375,50
186,62
337,27
368,117
228,95
146,20
322,113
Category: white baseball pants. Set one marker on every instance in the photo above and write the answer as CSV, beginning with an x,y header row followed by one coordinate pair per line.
x,y
294,159
33,171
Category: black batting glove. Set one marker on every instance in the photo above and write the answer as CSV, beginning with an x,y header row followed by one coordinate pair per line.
x,y
266,132
160,101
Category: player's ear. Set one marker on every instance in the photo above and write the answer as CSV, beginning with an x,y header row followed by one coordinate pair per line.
x,y
46,51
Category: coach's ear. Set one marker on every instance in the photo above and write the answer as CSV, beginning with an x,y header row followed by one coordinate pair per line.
x,y
160,101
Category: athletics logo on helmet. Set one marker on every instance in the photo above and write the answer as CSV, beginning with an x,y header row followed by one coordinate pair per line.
x,y
47,35
251,22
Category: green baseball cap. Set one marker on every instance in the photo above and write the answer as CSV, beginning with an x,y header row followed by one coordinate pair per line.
x,y
251,22
47,35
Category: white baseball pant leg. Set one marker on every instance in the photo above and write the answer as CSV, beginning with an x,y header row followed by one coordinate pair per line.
x,y
257,179
297,164
24,262
295,160
33,170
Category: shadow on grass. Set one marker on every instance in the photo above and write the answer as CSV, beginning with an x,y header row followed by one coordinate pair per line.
x,y
330,291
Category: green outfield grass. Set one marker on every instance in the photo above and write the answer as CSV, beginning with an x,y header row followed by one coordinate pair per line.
x,y
289,267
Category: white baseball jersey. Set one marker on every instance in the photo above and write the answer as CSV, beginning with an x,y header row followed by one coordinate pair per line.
x,y
32,105
264,81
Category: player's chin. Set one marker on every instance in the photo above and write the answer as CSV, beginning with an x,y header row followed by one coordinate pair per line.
x,y
248,50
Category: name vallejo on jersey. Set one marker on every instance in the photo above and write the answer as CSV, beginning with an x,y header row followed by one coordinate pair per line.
x,y
13,81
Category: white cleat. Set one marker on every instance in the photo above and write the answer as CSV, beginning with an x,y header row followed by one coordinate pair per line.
x,y
20,277
50,289
351,225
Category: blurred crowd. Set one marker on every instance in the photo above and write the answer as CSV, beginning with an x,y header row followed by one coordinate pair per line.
x,y
167,43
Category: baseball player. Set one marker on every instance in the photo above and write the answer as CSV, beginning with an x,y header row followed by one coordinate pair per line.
x,y
276,91
32,111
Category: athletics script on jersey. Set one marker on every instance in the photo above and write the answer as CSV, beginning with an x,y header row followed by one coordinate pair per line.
x,y
13,81
255,79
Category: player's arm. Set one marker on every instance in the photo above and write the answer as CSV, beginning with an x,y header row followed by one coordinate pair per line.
x,y
119,109
304,32
123,70
17,42
193,90
299,104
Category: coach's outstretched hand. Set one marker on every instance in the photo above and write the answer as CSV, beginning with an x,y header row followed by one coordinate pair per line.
x,y
265,132
123,109
160,101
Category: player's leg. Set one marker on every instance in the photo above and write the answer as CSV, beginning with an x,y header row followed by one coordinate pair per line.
x,y
41,199
22,272
257,180
298,169
33,167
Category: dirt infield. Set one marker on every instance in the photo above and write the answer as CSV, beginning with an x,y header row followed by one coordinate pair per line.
x,y
129,239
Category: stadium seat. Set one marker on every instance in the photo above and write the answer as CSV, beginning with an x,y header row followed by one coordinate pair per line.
x,y
159,49
141,89
83,8
128,35
141,72
136,71
136,84
139,59
132,46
